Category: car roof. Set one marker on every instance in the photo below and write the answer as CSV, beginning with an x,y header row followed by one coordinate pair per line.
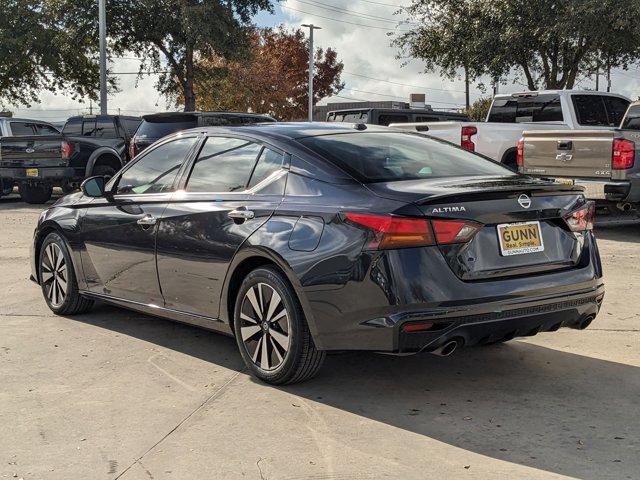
x,y
20,119
292,130
163,115
556,92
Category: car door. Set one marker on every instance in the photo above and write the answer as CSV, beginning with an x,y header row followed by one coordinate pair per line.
x,y
233,187
118,231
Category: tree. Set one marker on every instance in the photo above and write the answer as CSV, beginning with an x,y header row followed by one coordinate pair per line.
x,y
550,43
479,109
42,47
175,36
274,79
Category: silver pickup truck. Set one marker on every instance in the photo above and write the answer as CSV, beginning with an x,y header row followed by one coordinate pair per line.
x,y
606,163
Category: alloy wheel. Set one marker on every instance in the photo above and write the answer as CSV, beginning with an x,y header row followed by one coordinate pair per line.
x,y
265,326
53,271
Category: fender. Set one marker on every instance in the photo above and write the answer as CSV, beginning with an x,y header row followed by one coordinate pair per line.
x,y
96,154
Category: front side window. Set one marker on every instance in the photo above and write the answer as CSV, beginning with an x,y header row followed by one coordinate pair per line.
x,y
105,128
73,127
22,128
89,128
223,165
616,108
44,129
392,156
632,120
156,171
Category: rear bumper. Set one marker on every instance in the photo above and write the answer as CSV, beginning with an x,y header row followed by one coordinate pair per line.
x,y
44,174
612,190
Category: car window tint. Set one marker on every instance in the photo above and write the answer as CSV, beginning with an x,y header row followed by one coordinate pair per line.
x,y
43,129
269,162
156,171
427,119
387,119
616,107
105,128
223,165
22,128
130,124
392,156
159,127
590,110
632,120
89,128
527,108
73,127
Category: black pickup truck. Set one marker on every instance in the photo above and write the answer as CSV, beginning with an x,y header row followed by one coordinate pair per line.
x,y
89,145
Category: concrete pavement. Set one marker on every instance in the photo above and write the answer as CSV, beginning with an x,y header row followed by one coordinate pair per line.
x,y
115,394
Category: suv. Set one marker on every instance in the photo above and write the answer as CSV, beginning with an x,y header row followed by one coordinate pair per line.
x,y
99,144
158,125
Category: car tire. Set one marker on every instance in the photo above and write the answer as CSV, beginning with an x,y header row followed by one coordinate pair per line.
x,y
271,330
103,171
6,188
36,193
58,280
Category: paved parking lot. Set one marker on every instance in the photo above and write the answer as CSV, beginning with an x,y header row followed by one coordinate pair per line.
x,y
115,394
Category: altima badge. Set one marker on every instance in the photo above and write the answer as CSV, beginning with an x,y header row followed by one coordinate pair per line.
x,y
524,201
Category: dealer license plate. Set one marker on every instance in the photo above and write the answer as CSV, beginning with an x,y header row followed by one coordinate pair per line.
x,y
520,238
32,172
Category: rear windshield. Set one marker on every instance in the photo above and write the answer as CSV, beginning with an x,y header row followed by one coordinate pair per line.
x,y
390,156
161,127
632,120
538,108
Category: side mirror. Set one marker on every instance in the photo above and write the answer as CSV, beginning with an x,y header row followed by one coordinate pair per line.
x,y
93,186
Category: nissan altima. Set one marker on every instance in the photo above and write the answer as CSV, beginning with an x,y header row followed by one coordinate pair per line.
x,y
302,238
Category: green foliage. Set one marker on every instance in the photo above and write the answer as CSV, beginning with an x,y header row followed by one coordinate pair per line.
x,y
43,48
479,109
550,43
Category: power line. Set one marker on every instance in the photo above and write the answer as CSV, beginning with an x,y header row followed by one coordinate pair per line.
x,y
343,21
403,84
385,4
355,14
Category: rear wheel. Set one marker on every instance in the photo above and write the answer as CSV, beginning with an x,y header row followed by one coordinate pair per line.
x,y
272,332
58,280
35,192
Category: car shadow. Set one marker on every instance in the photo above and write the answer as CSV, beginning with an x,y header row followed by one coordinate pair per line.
x,y
522,403
619,233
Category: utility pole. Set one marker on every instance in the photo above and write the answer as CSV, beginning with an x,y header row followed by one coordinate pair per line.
x,y
102,20
311,27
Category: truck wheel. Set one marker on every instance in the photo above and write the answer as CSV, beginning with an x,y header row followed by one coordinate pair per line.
x,y
6,188
103,171
35,193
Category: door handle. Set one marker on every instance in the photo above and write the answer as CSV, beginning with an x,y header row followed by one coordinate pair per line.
x,y
241,214
147,220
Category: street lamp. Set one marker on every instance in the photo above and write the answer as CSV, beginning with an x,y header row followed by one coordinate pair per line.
x,y
311,27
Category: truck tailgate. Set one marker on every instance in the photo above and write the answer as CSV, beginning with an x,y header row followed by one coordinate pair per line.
x,y
578,154
31,151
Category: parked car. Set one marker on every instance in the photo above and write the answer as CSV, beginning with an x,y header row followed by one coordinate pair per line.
x,y
158,125
385,116
30,154
301,238
603,161
511,114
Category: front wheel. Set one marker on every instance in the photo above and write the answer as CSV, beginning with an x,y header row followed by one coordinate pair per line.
x,y
35,193
58,280
272,332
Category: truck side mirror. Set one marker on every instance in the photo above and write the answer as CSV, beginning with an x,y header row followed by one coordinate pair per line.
x,y
93,186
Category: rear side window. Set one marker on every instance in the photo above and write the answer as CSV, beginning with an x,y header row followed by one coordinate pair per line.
x,y
223,165
160,127
156,171
427,119
130,125
521,109
590,110
44,129
616,108
392,156
269,162
392,118
22,128
105,128
73,127
89,128
632,120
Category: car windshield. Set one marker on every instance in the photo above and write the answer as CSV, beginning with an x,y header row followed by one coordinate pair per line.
x,y
390,156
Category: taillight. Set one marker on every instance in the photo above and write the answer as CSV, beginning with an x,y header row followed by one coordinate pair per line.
x,y
520,154
403,232
394,232
66,149
454,231
582,220
623,155
465,138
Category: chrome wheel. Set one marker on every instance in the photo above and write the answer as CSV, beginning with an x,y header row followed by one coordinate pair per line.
x,y
53,273
265,326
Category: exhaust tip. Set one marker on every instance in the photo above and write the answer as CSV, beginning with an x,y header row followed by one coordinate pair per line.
x,y
586,322
446,349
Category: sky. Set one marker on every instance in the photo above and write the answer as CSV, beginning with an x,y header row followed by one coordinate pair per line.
x,y
359,30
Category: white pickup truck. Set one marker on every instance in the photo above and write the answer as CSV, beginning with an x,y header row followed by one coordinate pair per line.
x,y
511,114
